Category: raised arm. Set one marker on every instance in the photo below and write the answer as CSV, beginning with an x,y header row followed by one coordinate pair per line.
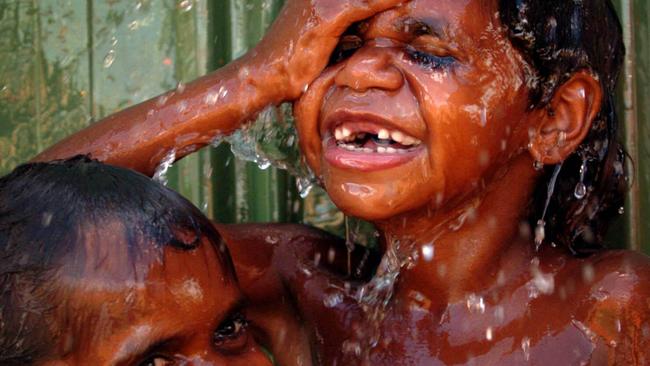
x,y
294,52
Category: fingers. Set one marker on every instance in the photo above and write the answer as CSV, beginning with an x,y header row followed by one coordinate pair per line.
x,y
350,11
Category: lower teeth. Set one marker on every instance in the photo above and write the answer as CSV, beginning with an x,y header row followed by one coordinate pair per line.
x,y
379,149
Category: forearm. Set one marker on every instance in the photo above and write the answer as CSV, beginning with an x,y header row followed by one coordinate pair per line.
x,y
182,120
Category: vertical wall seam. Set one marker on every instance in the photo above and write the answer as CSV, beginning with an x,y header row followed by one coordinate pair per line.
x,y
91,59
38,82
630,126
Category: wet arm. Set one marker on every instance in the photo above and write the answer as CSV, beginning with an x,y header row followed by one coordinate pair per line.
x,y
182,120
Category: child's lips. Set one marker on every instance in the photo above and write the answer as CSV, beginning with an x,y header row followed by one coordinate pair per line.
x,y
367,158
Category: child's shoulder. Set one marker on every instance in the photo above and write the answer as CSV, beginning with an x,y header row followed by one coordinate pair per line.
x,y
616,292
621,272
617,303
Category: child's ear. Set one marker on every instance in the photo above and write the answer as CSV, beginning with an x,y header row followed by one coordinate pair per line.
x,y
562,127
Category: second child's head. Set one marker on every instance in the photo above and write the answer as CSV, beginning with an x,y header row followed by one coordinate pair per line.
x,y
100,265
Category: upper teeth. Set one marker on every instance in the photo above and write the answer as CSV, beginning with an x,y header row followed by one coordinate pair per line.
x,y
345,134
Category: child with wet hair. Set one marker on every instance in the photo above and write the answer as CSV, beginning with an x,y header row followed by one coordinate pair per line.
x,y
100,265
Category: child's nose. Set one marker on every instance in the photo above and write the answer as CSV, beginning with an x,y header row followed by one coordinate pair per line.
x,y
370,68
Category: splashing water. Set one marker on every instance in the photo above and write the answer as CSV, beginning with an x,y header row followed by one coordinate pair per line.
x,y
271,141
160,175
541,283
375,297
304,185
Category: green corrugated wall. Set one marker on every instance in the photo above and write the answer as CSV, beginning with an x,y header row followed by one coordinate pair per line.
x,y
67,63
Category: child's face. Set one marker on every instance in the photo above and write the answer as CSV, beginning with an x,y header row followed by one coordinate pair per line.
x,y
187,310
442,91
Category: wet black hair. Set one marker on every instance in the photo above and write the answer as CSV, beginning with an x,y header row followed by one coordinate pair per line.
x,y
45,210
558,38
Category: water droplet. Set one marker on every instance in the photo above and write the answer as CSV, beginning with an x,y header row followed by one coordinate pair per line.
x,y
109,58
331,255
525,347
588,273
182,107
305,186
180,87
263,163
223,92
499,313
483,116
488,334
47,219
428,251
185,5
113,41
333,300
160,175
212,98
621,210
540,233
134,25
580,191
217,140
538,165
271,239
162,100
475,304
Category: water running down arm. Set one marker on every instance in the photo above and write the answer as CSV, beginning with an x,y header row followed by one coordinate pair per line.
x,y
294,52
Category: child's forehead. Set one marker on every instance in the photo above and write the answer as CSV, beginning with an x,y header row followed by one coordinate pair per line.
x,y
108,259
441,16
178,277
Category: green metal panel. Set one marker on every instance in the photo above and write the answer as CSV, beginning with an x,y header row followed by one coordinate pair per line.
x,y
140,49
45,91
634,114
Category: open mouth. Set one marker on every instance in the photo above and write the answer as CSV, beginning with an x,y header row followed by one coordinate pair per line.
x,y
367,146
382,141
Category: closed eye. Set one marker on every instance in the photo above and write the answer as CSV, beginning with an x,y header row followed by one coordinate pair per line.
x,y
428,60
345,48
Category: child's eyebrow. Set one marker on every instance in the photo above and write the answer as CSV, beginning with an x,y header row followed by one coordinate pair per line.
x,y
418,27
148,340
139,345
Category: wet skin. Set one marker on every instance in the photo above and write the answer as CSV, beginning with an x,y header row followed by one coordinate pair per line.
x,y
184,309
443,74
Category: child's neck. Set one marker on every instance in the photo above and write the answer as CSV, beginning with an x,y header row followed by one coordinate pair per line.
x,y
463,249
